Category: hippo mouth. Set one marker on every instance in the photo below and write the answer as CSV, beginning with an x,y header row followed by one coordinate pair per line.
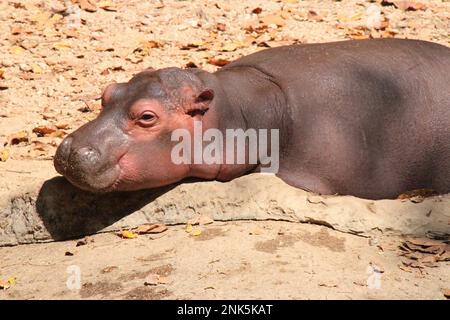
x,y
96,179
99,182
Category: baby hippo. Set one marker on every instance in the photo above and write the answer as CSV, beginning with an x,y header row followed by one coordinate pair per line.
x,y
369,118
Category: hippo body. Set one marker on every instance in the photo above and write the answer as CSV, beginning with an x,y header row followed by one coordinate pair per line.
x,y
369,118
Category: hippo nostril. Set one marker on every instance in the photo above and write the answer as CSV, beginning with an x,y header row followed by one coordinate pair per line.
x,y
89,156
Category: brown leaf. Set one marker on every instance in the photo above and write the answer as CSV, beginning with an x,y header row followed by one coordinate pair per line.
x,y
87,5
257,10
107,5
273,19
109,269
426,242
62,125
313,15
71,33
84,241
154,279
150,228
44,130
191,64
446,293
16,30
221,26
405,5
418,193
18,137
218,62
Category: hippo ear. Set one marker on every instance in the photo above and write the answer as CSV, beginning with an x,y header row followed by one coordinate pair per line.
x,y
201,103
205,96
107,93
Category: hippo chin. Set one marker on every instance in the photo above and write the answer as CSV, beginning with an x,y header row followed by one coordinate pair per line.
x,y
369,118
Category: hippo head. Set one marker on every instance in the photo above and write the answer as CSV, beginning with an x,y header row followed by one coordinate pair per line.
x,y
128,146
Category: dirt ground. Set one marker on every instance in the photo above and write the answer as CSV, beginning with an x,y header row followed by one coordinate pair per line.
x,y
55,59
235,260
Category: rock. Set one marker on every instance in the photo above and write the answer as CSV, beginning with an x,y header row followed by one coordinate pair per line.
x,y
53,209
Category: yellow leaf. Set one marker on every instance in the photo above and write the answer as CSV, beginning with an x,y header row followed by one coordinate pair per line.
x,y
196,232
36,69
4,154
56,17
230,46
12,281
107,5
189,228
16,50
127,234
351,18
62,46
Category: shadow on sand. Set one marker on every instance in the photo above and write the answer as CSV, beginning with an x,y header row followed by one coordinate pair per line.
x,y
68,212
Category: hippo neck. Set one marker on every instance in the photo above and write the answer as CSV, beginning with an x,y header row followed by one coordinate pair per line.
x,y
245,98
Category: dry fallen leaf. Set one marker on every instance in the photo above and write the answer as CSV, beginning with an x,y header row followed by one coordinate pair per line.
x,y
418,195
195,232
18,137
4,154
44,130
16,50
84,241
221,26
154,279
6,284
273,19
405,5
256,231
446,293
424,252
109,269
87,5
230,46
218,62
257,10
107,5
127,234
313,15
150,228
36,69
62,46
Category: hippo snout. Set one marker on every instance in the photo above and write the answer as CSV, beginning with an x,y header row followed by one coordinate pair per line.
x,y
62,155
84,166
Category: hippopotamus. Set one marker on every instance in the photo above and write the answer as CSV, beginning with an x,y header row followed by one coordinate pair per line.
x,y
368,118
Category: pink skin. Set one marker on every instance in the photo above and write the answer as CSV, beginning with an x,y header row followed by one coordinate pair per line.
x,y
128,147
147,163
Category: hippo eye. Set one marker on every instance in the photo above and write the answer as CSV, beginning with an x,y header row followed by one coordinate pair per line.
x,y
147,118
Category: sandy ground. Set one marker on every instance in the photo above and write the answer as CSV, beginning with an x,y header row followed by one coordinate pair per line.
x,y
235,260
56,58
